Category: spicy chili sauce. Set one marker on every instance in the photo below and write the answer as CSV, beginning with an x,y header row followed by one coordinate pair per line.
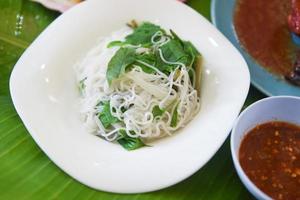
x,y
270,156
262,29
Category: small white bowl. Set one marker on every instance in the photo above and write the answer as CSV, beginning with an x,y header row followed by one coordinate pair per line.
x,y
279,108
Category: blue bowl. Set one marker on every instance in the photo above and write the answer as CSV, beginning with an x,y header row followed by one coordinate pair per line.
x,y
222,12
296,39
281,108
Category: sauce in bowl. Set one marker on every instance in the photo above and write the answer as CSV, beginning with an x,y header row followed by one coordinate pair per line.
x,y
262,29
270,156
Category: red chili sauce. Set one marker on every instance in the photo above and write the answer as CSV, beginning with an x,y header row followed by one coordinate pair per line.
x,y
270,156
262,29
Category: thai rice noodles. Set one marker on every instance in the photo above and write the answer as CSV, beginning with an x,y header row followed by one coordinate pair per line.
x,y
138,84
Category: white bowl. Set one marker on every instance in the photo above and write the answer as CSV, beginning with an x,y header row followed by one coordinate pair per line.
x,y
279,108
43,89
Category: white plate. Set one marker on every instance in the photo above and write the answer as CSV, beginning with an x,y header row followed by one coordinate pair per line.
x,y
44,92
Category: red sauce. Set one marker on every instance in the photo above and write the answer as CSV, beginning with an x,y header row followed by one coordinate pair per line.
x,y
262,29
270,156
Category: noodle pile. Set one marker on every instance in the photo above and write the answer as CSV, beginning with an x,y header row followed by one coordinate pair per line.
x,y
142,105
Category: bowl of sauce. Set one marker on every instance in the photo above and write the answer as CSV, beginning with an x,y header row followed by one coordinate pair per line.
x,y
268,38
265,147
271,34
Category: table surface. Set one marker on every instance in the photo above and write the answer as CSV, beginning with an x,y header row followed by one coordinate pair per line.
x,y
27,173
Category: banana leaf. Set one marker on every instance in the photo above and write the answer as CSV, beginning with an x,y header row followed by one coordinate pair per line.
x,y
27,173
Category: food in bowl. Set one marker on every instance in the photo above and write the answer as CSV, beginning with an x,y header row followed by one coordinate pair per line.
x,y
269,154
266,35
140,83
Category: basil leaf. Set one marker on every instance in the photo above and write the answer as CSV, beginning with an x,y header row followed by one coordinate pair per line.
x,y
142,34
155,61
162,66
174,117
157,112
191,50
188,48
173,51
129,143
105,116
118,63
146,58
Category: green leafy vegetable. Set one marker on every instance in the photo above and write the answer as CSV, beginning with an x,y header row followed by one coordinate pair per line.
x,y
142,34
154,60
193,53
157,112
173,51
118,63
174,117
105,116
180,51
188,48
175,36
176,50
115,43
129,143
146,58
162,66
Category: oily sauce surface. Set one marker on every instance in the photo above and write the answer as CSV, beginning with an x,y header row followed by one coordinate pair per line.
x,y
262,29
270,156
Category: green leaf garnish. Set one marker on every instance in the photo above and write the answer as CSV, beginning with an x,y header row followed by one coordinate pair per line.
x,y
129,143
105,116
150,59
193,53
173,51
118,63
142,34
188,48
115,43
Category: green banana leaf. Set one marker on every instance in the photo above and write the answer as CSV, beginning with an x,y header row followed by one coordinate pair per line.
x,y
27,173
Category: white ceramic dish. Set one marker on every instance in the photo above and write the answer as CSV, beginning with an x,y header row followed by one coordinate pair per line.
x,y
281,108
44,92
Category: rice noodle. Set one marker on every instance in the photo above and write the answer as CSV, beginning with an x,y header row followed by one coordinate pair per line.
x,y
136,91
